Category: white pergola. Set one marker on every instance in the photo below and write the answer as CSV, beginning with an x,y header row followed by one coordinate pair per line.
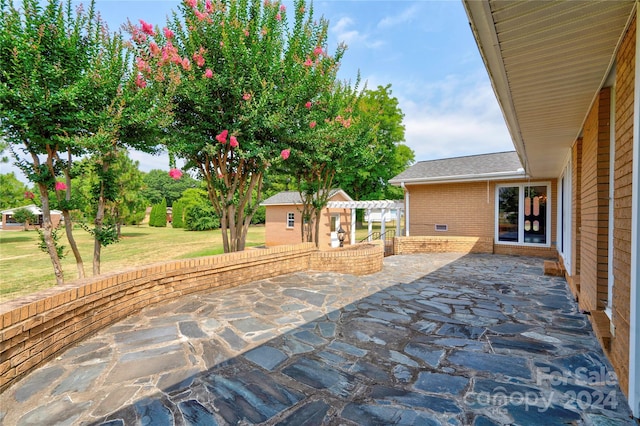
x,y
378,205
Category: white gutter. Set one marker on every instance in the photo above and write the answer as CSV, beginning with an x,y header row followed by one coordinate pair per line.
x,y
634,301
477,177
406,209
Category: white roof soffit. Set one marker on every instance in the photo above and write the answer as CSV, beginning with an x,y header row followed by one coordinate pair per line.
x,y
547,60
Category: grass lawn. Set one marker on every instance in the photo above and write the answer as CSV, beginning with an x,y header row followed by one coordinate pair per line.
x,y
25,269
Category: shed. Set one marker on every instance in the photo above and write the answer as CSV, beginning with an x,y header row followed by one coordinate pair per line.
x,y
283,221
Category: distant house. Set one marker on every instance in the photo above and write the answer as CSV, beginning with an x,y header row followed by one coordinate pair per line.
x,y
487,196
283,222
9,223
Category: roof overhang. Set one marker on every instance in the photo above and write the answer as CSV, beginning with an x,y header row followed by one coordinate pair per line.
x,y
478,177
547,61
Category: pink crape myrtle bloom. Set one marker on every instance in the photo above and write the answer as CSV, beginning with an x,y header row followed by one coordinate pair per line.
x,y
140,82
285,154
168,33
186,64
282,8
175,174
313,124
208,6
29,195
222,137
147,28
142,65
208,73
308,62
192,3
246,33
278,17
60,186
199,59
246,96
318,51
308,105
155,49
233,142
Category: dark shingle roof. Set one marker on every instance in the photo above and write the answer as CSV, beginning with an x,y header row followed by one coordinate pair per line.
x,y
292,197
469,166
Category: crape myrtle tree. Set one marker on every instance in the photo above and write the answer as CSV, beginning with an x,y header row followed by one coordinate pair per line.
x,y
247,73
336,139
44,56
65,91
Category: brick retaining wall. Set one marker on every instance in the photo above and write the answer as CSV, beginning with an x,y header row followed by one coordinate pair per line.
x,y
35,328
427,244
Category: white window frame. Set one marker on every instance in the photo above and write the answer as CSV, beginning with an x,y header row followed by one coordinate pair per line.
x,y
564,215
291,220
520,241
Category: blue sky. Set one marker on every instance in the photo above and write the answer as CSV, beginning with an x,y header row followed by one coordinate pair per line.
x,y
424,49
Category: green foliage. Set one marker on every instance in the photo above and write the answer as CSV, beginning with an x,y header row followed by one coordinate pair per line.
x,y
245,75
177,214
201,217
158,215
105,235
260,216
158,185
66,89
385,156
124,204
42,245
13,193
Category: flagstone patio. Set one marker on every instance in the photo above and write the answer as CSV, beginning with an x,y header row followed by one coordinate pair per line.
x,y
438,339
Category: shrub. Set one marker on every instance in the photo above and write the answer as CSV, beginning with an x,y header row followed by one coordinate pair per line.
x,y
178,214
158,217
201,217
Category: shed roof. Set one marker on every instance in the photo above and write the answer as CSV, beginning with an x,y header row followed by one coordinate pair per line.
x,y
500,165
287,198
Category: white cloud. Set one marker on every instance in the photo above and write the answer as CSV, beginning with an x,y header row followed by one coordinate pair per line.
x,y
345,32
455,118
403,17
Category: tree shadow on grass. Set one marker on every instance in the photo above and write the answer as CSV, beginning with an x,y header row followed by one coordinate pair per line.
x,y
16,238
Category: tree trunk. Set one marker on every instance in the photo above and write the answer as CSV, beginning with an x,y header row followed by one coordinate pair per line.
x,y
47,233
68,227
97,245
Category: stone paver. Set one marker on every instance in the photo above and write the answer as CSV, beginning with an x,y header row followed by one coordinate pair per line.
x,y
440,339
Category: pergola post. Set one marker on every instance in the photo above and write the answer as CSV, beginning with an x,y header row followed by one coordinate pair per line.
x,y
352,238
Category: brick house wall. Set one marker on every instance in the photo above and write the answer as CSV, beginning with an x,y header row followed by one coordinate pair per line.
x,y
468,209
594,196
276,230
624,99
576,211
